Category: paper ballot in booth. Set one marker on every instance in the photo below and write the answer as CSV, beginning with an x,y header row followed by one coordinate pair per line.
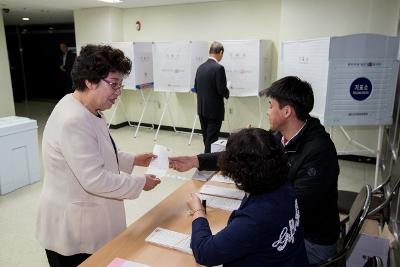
x,y
353,77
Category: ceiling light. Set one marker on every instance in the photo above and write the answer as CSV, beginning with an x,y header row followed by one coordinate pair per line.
x,y
111,1
25,18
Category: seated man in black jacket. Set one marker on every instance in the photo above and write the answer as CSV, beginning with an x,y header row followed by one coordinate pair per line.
x,y
313,163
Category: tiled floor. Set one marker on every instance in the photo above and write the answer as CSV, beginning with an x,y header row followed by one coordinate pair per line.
x,y
18,209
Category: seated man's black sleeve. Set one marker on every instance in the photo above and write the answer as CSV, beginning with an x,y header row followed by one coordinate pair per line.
x,y
208,161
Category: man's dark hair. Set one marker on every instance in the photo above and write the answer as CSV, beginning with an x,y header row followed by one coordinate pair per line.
x,y
95,62
255,161
216,48
294,92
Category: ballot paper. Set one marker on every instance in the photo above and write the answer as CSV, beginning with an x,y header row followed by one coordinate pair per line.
x,y
220,202
222,191
222,179
170,239
160,165
118,262
178,177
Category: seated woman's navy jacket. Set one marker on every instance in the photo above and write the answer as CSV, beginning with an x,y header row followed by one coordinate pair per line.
x,y
264,231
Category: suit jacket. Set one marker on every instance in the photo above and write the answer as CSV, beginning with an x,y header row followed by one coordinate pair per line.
x,y
264,231
210,84
69,62
81,206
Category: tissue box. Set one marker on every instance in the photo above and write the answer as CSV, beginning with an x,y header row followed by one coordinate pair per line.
x,y
218,145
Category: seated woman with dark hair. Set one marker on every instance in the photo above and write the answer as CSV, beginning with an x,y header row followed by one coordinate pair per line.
x,y
265,230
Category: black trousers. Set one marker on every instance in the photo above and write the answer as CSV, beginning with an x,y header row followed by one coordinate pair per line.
x,y
58,260
210,129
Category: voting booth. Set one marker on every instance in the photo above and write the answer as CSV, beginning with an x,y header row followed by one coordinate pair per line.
x,y
174,67
353,77
247,65
141,76
140,53
19,154
176,63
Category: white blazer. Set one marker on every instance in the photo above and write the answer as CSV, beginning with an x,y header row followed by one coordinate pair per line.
x,y
81,206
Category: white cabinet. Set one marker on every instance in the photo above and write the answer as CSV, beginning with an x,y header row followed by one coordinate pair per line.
x,y
19,154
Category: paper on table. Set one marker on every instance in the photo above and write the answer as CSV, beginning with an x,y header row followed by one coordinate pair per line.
x,y
222,191
170,239
222,179
221,202
160,165
118,262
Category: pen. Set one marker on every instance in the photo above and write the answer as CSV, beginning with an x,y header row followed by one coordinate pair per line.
x,y
203,202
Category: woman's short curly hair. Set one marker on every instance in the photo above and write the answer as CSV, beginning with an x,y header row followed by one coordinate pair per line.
x,y
95,62
255,161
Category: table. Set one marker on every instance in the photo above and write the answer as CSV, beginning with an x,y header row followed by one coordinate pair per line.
x,y
172,214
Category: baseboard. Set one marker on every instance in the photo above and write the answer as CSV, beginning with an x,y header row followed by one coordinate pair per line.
x,y
163,127
358,158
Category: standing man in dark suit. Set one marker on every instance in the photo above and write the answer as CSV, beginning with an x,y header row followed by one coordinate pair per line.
x,y
66,62
210,84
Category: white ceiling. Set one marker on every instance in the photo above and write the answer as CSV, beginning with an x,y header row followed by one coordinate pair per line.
x,y
61,11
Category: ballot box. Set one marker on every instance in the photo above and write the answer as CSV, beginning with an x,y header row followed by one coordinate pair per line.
x,y
353,77
19,154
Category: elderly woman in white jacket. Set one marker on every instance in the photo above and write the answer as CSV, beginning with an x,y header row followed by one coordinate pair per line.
x,y
86,178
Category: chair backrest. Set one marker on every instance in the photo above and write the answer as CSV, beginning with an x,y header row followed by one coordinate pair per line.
x,y
357,215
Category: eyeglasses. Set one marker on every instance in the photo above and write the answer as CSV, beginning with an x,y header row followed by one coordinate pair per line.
x,y
114,86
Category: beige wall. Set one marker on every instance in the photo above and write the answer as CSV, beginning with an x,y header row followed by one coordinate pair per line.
x,y
6,95
99,25
243,19
321,18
